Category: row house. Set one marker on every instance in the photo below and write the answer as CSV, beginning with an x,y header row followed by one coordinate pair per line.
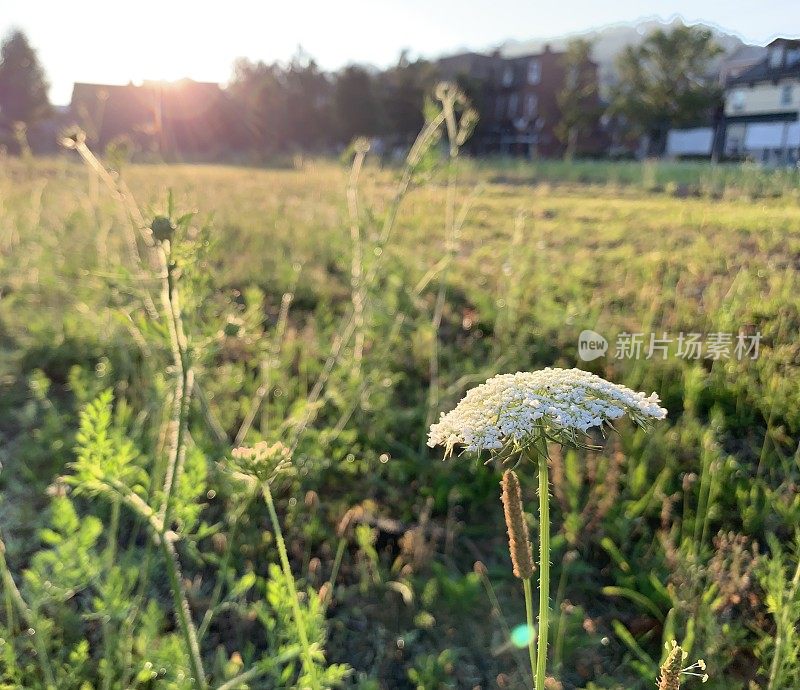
x,y
517,98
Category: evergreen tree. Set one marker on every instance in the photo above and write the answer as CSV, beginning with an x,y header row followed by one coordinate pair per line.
x,y
357,108
23,84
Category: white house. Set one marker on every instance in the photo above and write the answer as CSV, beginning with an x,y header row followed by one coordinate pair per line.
x,y
762,108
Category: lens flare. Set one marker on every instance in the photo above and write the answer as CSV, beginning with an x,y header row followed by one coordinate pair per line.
x,y
522,635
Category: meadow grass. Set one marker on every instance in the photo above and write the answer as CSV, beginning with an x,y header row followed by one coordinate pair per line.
x,y
673,527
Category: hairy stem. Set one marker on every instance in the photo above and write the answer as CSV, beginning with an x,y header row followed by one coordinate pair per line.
x,y
544,563
183,393
182,612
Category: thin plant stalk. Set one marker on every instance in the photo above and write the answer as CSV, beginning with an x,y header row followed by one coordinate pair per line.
x,y
182,611
13,594
222,576
480,569
164,538
559,641
337,563
450,247
308,660
526,585
110,557
183,394
357,261
421,144
780,639
159,261
273,353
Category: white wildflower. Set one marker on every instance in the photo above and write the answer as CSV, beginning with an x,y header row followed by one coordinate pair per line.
x,y
509,409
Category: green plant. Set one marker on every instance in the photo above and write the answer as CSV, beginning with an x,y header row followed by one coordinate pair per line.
x,y
780,579
432,671
515,416
266,294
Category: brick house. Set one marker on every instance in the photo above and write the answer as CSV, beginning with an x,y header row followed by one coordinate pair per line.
x,y
517,98
183,117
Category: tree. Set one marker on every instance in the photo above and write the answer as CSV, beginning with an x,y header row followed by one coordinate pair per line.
x,y
23,84
579,99
259,92
356,105
308,95
403,88
664,82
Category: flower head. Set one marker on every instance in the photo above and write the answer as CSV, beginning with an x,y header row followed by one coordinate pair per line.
x,y
261,461
671,671
509,409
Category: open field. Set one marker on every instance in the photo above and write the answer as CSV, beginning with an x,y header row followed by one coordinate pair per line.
x,y
358,339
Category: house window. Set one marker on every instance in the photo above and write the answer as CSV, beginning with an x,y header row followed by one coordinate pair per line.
x,y
792,56
776,57
534,72
786,94
530,105
508,76
737,101
513,100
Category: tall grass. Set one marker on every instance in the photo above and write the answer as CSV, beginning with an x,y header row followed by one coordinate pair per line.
x,y
337,311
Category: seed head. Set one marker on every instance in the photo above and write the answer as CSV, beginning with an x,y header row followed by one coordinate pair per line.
x,y
672,669
72,137
163,228
670,678
262,461
519,544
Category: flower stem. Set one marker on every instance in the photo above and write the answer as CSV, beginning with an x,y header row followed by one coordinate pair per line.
x,y
526,584
544,567
308,660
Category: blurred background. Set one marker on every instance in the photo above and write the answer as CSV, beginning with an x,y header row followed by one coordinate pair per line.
x,y
619,81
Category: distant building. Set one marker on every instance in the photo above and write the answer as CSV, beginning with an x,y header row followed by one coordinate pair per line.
x,y
183,117
762,104
517,98
741,59
695,142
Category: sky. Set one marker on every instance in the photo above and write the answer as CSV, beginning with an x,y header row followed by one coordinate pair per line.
x,y
116,42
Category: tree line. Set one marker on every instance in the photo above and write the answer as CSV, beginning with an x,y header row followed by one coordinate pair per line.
x,y
273,108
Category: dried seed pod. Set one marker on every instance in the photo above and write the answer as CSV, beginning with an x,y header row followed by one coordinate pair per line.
x,y
519,543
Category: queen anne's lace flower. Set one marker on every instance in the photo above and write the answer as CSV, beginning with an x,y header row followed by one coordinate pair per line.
x,y
262,461
510,408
